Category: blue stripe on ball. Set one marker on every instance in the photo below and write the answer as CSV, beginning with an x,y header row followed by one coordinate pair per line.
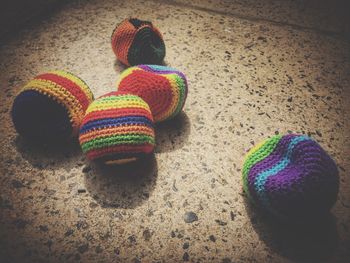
x,y
114,122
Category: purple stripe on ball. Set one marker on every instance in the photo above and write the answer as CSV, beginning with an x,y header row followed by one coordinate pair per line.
x,y
267,163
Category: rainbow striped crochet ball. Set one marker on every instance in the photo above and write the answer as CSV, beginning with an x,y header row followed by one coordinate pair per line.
x,y
51,106
138,42
163,88
291,176
117,128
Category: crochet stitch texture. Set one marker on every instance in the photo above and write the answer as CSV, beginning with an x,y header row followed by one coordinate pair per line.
x,y
51,106
117,126
291,176
163,88
138,42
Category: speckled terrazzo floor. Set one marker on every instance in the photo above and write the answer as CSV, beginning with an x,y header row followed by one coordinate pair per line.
x,y
253,70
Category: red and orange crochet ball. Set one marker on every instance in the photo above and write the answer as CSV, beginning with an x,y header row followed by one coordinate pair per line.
x,y
163,88
51,106
136,42
117,128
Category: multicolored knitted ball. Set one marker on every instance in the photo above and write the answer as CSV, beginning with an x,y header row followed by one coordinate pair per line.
x,y
163,88
138,42
291,176
51,106
117,127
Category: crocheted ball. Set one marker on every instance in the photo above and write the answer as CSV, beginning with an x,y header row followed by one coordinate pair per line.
x,y
163,88
291,176
138,42
51,106
117,127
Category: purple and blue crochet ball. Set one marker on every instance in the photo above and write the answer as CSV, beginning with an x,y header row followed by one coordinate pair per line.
x,y
291,177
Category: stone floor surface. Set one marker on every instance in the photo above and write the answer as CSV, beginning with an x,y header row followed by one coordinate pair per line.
x,y
254,68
